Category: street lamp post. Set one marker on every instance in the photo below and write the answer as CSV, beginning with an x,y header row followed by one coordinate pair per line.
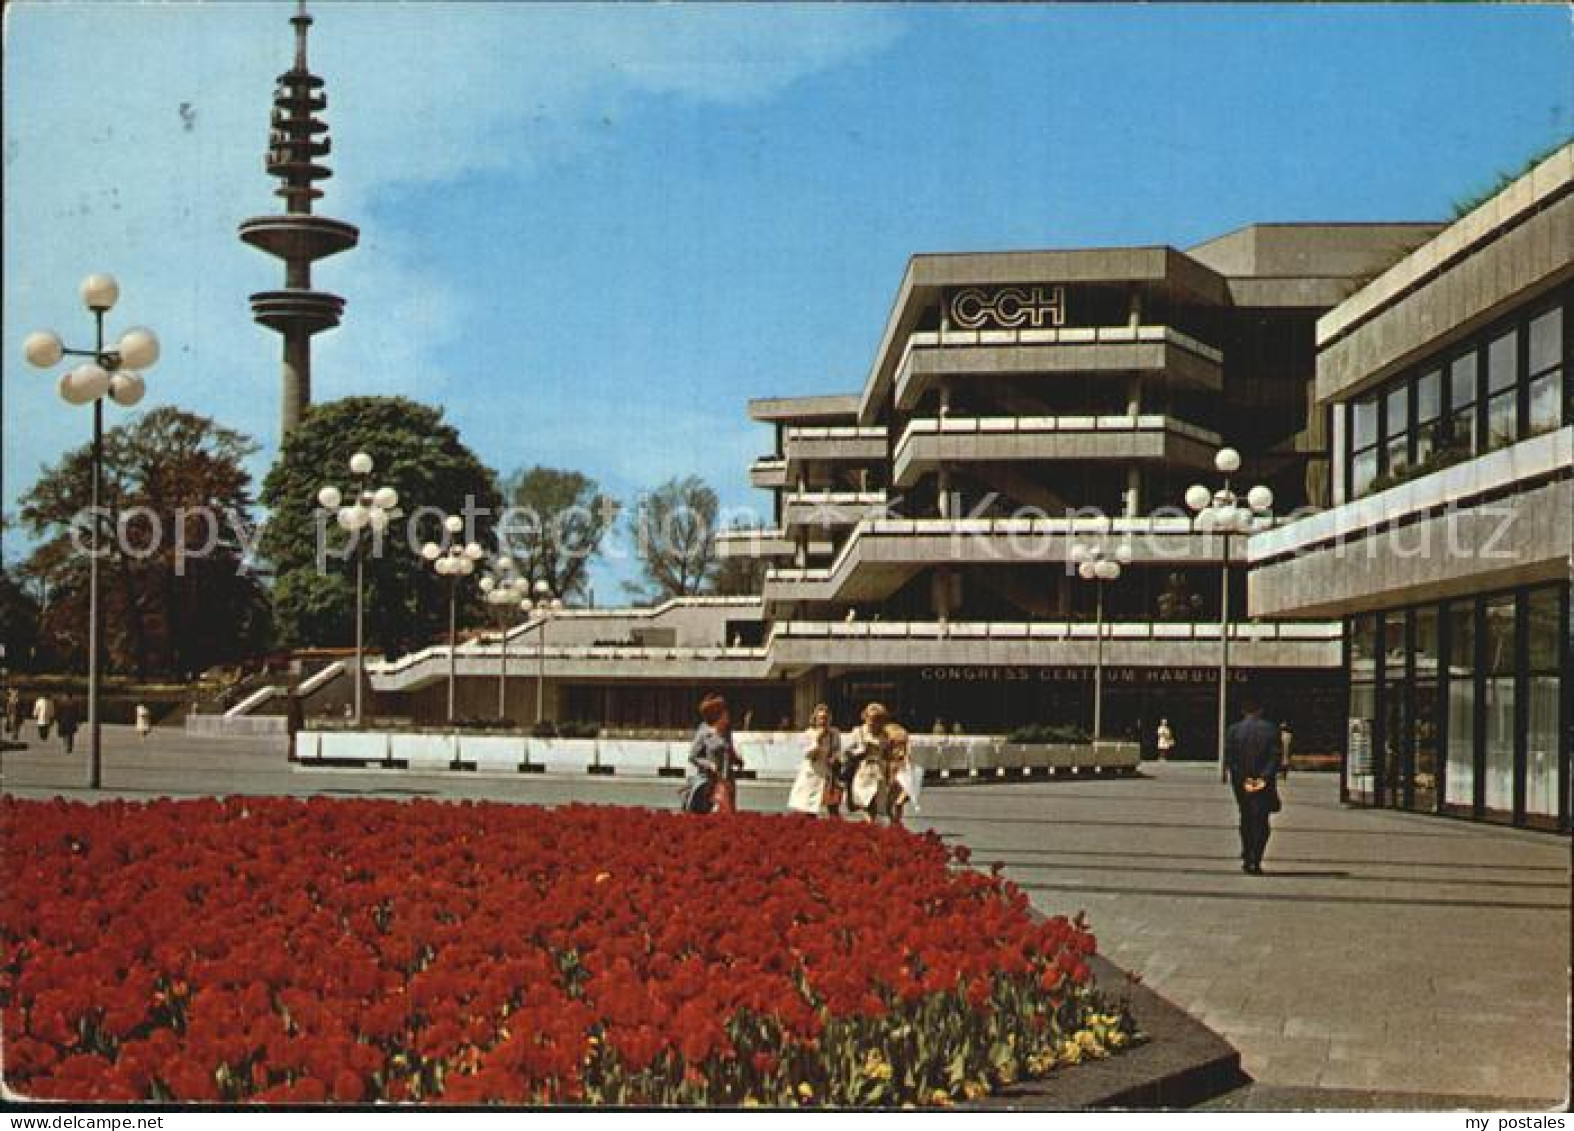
x,y
455,563
1221,512
372,510
1093,565
506,592
545,606
111,373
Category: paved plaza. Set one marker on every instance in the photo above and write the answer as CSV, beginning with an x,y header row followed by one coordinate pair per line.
x,y
1384,954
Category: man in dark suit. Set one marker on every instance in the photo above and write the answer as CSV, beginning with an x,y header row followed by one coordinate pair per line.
x,y
1251,754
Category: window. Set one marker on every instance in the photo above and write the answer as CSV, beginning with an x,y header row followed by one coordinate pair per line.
x,y
1462,395
1396,431
1363,441
1359,777
1509,384
1502,394
1545,376
1429,408
1544,629
1460,771
1499,663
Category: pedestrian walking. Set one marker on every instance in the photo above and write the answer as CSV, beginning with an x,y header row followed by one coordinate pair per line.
x,y
68,721
44,715
13,714
822,751
1251,756
713,762
1165,740
144,721
294,720
862,768
1286,740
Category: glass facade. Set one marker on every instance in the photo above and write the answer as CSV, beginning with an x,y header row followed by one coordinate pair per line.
x,y
1505,385
1462,707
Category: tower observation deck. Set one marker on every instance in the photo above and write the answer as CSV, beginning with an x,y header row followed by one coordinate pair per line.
x,y
297,145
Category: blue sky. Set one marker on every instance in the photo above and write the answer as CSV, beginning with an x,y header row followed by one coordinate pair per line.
x,y
592,234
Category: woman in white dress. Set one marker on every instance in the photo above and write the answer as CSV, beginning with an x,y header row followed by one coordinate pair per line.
x,y
822,751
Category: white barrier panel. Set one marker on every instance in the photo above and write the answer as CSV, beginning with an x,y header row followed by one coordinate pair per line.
x,y
354,747
634,755
423,751
493,751
774,757
562,755
308,745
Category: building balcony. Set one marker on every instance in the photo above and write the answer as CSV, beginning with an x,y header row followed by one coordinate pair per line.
x,y
1145,644
483,659
768,473
880,555
927,443
764,543
827,509
930,356
1502,519
833,444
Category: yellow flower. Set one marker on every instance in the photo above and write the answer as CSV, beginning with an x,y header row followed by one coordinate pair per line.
x,y
805,1091
975,1089
940,1097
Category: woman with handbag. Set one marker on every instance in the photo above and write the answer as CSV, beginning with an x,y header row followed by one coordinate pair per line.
x,y
812,789
713,762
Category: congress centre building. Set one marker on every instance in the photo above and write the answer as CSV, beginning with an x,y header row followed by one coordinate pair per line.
x,y
1024,412
1446,551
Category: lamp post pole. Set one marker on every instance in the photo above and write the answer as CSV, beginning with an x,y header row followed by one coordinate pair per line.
x,y
1221,512
111,373
545,606
1092,565
504,590
455,563
372,510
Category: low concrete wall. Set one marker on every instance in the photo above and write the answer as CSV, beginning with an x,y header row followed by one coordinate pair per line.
x,y
766,756
221,725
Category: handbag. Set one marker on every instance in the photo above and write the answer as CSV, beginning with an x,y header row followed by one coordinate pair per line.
x,y
725,796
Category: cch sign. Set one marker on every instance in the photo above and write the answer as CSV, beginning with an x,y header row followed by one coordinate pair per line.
x,y
1008,308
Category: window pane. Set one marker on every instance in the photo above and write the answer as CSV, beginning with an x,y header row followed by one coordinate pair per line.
x,y
1502,420
1398,419
1363,647
1363,470
1460,782
1499,705
1358,763
1429,395
1398,456
1546,403
1546,340
1541,739
1426,656
1502,362
1364,424
1462,380
1426,442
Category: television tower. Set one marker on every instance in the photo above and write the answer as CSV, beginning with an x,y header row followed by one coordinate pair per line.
x,y
297,143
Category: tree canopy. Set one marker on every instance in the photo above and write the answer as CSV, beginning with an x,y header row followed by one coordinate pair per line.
x,y
178,591
673,529
556,521
416,452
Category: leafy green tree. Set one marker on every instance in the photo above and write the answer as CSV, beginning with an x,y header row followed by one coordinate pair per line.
x,y
555,524
18,623
176,582
739,575
416,452
673,529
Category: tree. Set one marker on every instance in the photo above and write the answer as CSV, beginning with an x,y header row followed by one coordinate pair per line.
x,y
740,575
555,525
19,613
177,588
420,455
673,529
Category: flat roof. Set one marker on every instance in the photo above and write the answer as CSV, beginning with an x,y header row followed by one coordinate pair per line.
x,y
830,406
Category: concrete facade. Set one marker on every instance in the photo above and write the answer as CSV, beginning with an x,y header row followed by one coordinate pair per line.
x,y
1450,539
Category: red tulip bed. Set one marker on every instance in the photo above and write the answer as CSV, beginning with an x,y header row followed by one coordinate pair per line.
x,y
276,950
